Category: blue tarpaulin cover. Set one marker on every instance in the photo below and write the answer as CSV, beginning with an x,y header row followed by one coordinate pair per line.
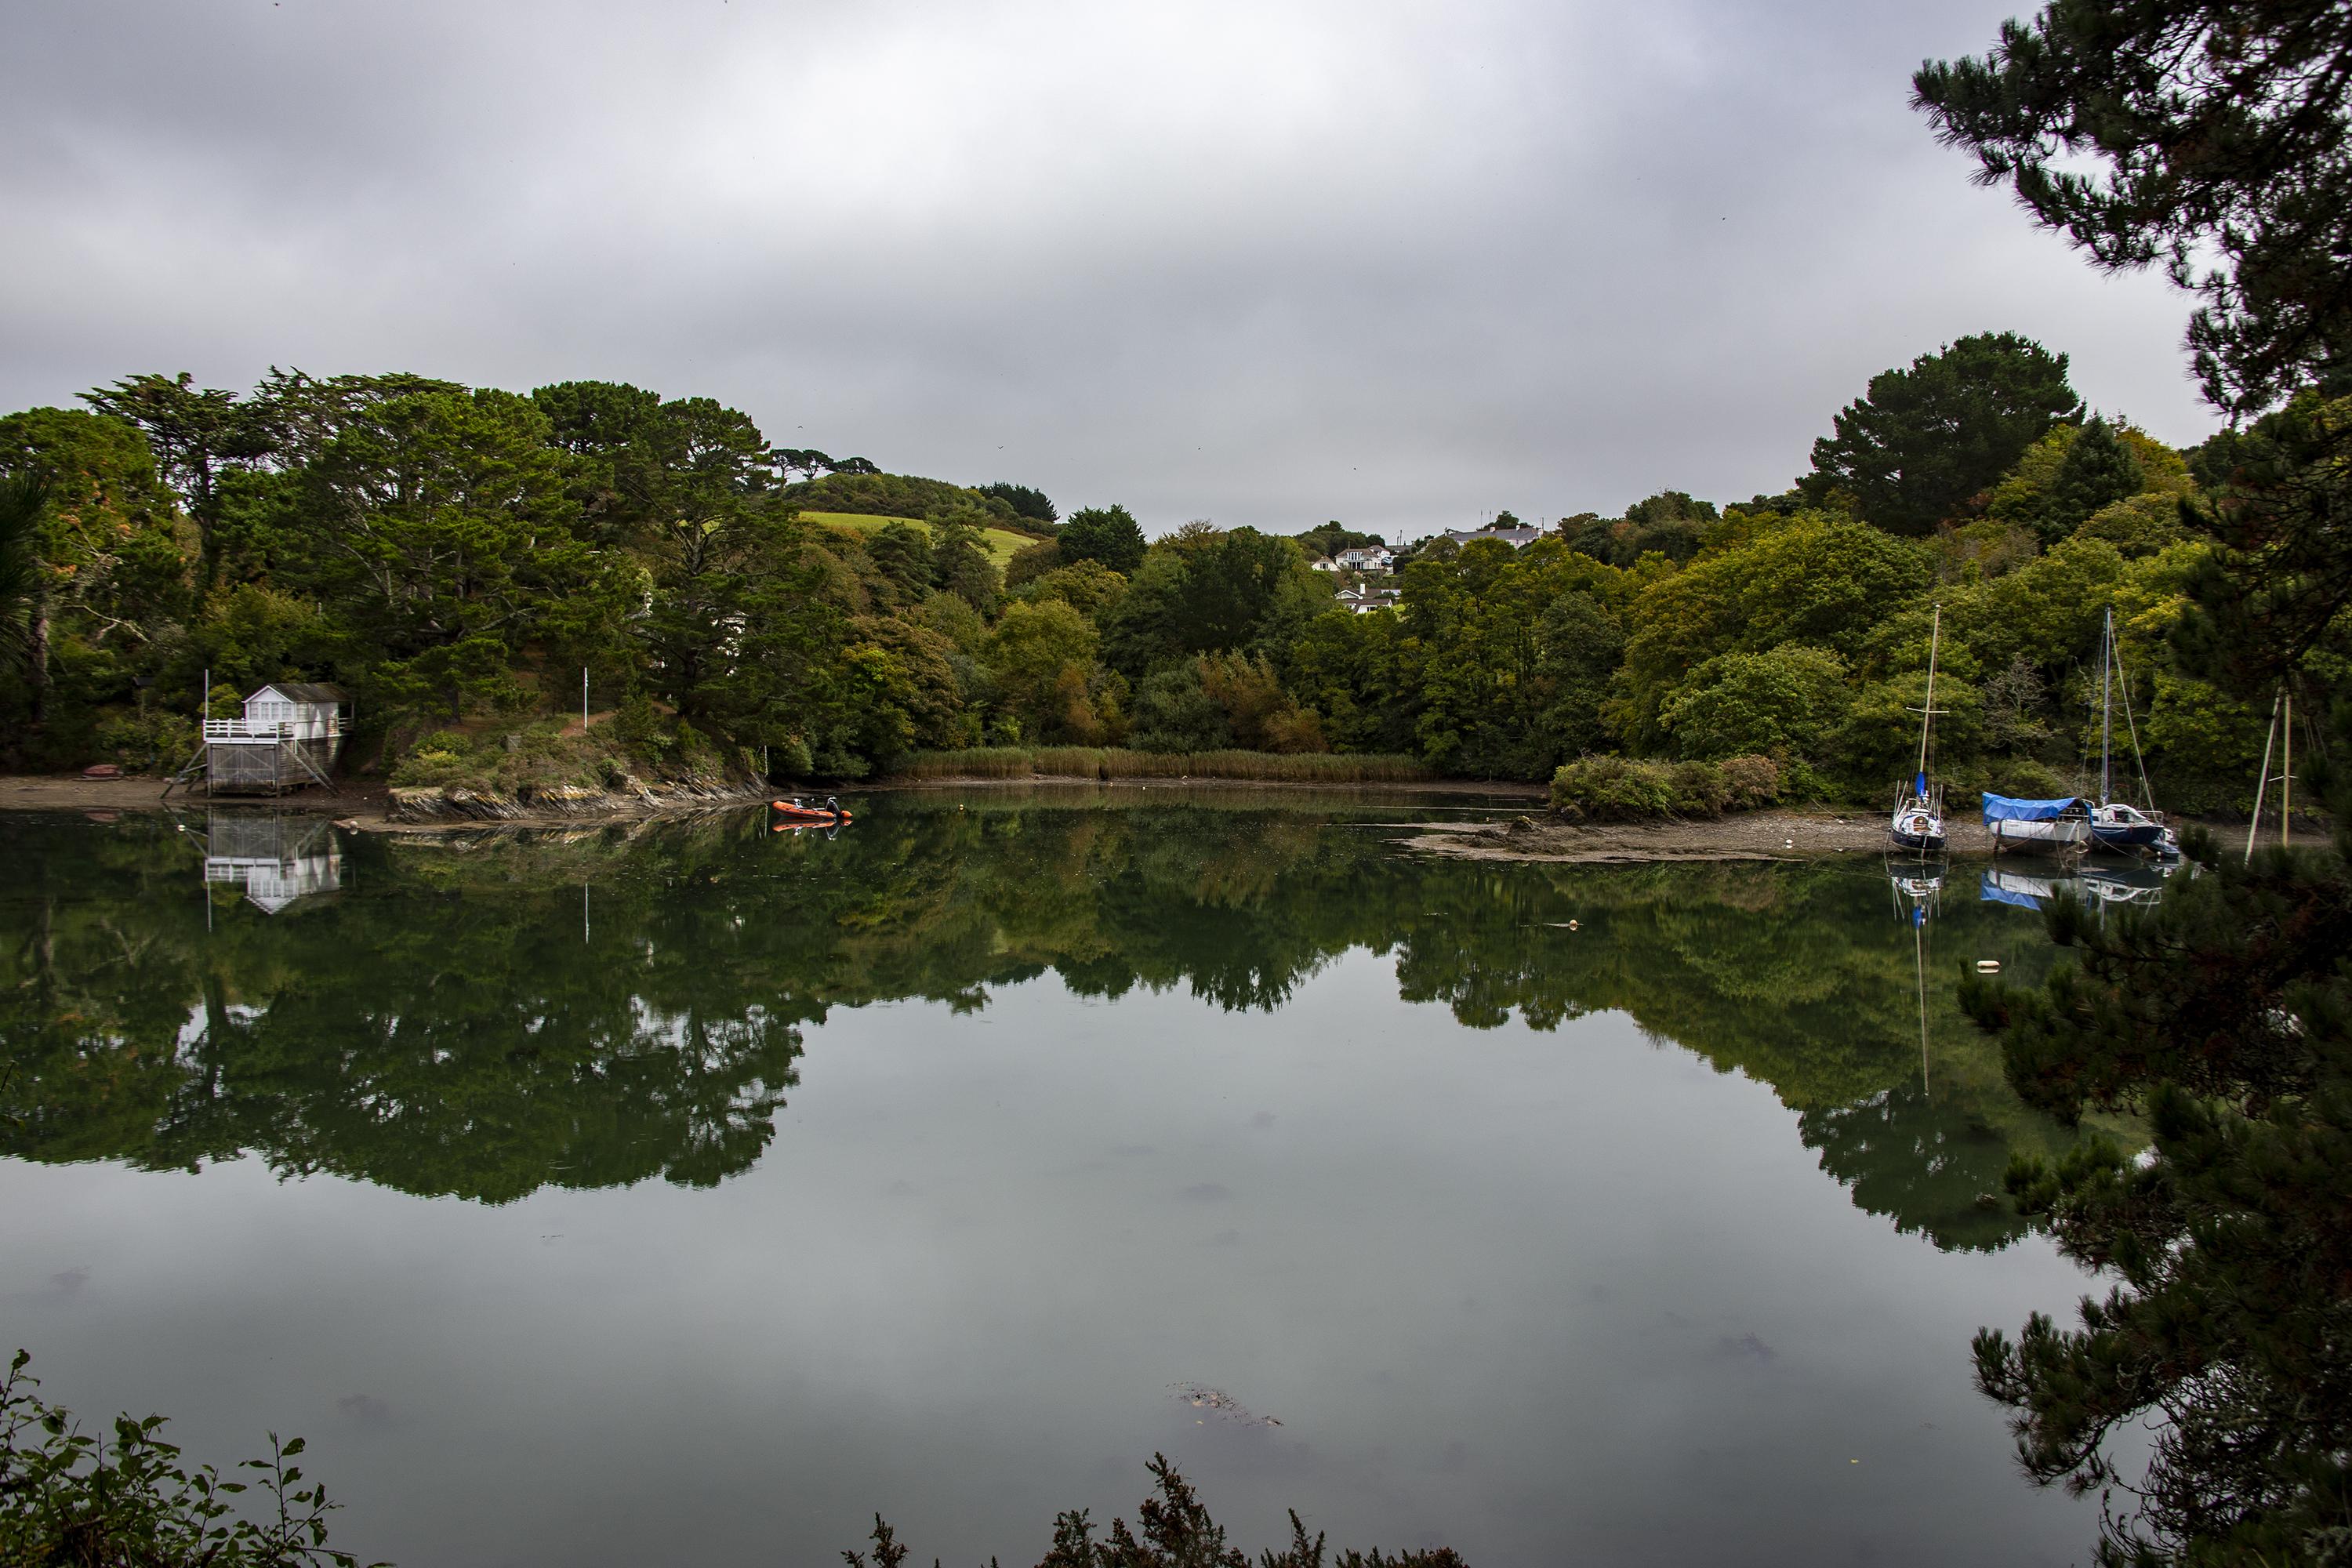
x,y
1991,892
2004,809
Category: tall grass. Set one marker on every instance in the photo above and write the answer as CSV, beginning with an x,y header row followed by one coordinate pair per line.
x,y
1104,763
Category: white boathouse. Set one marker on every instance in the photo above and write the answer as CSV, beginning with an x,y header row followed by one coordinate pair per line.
x,y
289,737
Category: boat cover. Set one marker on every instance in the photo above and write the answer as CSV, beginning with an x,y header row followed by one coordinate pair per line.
x,y
1991,892
2007,808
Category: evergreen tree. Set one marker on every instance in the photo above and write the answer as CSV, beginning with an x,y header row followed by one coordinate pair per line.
x,y
1920,445
2097,469
1025,501
2224,143
2223,131
1108,533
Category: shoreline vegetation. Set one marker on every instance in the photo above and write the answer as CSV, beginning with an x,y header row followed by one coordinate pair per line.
x,y
744,617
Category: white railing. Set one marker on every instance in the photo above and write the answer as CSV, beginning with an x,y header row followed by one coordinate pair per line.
x,y
255,731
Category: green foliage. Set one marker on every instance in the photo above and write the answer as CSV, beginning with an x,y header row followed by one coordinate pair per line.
x,y
1923,443
1176,1531
889,495
1108,534
1327,540
1042,655
1210,591
1785,700
1032,561
1670,524
1025,502
1621,789
66,1498
2218,131
1812,578
2097,470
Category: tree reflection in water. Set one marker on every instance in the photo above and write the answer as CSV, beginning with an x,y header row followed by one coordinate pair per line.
x,y
485,1016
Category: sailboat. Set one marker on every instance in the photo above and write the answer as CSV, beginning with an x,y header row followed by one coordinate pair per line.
x,y
2117,825
1918,820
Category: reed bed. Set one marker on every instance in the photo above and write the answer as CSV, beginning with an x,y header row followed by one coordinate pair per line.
x,y
1104,763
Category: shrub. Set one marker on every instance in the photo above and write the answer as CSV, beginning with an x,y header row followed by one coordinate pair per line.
x,y
1177,1532
1621,789
69,1498
444,757
1750,782
145,742
1611,788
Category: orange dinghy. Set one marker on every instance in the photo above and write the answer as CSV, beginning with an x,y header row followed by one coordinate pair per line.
x,y
800,811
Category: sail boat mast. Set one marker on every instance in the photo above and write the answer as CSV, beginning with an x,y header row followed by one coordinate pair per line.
x,y
2107,700
1928,708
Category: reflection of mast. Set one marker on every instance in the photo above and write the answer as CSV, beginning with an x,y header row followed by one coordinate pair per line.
x,y
1919,946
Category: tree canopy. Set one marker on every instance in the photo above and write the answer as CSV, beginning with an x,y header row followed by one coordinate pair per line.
x,y
1922,443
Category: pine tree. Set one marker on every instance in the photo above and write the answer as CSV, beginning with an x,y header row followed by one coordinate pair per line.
x,y
2218,134
2098,469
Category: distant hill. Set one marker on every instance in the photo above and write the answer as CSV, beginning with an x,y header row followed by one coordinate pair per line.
x,y
902,495
1002,543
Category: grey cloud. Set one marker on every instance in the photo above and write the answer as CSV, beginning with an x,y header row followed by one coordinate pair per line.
x,y
1399,265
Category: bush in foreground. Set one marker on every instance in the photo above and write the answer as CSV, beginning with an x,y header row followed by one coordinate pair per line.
x,y
1624,789
1177,1532
68,1499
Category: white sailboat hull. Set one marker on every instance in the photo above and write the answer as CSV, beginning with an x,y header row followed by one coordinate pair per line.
x,y
2065,834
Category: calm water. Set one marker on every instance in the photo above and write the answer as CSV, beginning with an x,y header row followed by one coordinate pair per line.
x,y
692,1192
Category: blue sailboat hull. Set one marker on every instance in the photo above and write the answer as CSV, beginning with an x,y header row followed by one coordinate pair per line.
x,y
2131,835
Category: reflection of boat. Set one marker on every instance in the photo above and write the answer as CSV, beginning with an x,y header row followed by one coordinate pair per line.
x,y
2026,889
1918,820
2054,825
1916,884
2109,885
2094,886
797,810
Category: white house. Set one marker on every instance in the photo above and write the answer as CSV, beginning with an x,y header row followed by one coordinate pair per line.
x,y
1363,599
1376,558
288,737
1517,538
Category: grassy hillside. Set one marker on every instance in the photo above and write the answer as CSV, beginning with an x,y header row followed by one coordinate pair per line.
x,y
1001,541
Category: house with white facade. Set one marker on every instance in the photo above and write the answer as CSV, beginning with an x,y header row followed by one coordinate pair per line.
x,y
1364,598
1517,538
288,737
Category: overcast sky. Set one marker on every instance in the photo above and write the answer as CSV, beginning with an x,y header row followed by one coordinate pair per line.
x,y
1262,263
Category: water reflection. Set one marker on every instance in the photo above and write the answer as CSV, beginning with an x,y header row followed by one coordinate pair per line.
x,y
483,1016
2096,885
276,859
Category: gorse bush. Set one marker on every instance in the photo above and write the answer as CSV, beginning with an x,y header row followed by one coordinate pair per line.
x,y
1623,789
1172,1530
73,1501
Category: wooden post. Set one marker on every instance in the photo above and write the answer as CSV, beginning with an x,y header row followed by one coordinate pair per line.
x,y
2286,767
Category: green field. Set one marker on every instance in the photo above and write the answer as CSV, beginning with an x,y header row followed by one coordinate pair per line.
x,y
1001,541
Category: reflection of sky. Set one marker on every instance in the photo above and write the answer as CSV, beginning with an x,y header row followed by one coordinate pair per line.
x,y
1547,1297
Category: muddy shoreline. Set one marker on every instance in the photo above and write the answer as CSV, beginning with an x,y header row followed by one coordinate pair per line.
x,y
372,806
1519,829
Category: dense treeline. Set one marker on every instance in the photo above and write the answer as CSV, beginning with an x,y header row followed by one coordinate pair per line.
x,y
455,557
